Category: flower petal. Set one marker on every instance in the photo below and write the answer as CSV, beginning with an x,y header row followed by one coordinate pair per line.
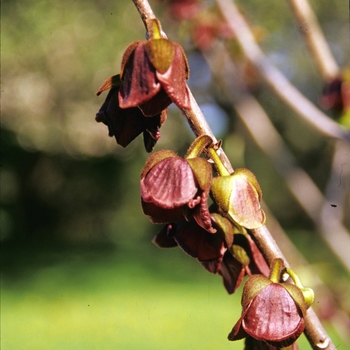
x,y
158,215
199,243
139,83
169,184
124,124
273,316
174,79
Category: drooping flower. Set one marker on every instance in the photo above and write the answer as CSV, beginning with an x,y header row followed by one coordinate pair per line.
x,y
218,253
154,74
241,259
126,124
173,188
272,312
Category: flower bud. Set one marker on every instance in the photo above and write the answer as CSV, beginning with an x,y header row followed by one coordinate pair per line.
x,y
238,195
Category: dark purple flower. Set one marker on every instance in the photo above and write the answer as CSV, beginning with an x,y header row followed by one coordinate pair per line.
x,y
153,75
272,312
126,124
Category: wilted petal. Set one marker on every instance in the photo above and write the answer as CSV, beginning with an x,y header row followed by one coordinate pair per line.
x,y
198,243
139,83
124,124
169,184
232,272
202,215
151,132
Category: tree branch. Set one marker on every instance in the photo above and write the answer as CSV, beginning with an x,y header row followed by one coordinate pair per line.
x,y
274,78
314,331
315,39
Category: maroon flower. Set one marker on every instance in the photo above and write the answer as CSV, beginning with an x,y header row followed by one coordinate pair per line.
x,y
173,188
272,312
193,240
240,259
126,124
153,75
218,253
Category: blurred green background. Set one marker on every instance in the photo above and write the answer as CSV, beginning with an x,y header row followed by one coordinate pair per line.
x,y
79,270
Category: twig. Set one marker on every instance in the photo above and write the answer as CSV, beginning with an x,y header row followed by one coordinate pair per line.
x,y
317,336
195,117
274,78
315,39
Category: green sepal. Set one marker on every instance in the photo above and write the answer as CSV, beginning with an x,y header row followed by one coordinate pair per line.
x,y
225,226
297,295
238,196
156,158
240,254
202,171
161,53
254,285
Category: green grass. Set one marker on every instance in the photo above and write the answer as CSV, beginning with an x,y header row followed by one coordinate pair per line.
x,y
158,299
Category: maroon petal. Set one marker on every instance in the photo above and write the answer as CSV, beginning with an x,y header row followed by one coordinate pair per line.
x,y
162,239
169,184
174,80
156,104
159,215
198,243
124,124
258,264
202,215
238,331
151,132
273,316
139,82
232,272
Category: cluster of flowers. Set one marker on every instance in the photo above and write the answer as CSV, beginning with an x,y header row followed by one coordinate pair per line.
x,y
175,191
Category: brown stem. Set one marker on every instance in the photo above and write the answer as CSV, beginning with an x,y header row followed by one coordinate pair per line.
x,y
315,39
274,78
314,331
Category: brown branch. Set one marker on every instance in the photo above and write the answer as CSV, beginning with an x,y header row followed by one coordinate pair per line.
x,y
274,78
194,116
314,331
315,39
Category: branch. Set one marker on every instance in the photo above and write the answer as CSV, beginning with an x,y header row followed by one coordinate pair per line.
x,y
315,39
195,117
274,78
317,336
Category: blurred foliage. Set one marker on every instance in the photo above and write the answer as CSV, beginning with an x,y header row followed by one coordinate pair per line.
x,y
78,266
